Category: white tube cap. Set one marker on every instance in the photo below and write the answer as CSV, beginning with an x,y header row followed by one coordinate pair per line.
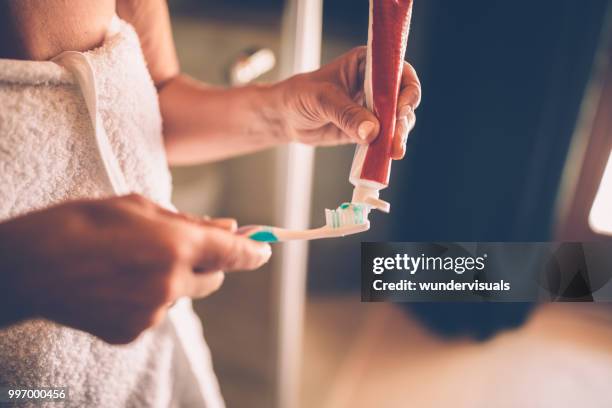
x,y
370,196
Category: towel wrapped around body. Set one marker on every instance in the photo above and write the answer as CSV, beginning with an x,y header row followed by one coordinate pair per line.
x,y
48,155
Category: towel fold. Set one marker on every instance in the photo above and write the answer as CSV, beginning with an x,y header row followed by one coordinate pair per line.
x,y
48,155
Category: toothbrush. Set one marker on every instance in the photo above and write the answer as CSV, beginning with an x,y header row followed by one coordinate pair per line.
x,y
387,38
347,219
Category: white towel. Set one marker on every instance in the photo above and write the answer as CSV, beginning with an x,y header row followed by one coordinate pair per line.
x,y
48,154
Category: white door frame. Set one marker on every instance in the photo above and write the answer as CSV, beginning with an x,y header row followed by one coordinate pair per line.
x,y
300,52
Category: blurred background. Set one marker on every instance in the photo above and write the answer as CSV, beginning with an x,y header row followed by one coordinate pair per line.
x,y
492,158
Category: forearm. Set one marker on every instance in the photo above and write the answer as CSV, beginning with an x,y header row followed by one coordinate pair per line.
x,y
201,123
204,123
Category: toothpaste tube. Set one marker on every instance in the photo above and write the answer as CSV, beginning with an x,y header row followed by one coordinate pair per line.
x,y
387,38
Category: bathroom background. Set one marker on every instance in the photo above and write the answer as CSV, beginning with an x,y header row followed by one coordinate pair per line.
x,y
502,87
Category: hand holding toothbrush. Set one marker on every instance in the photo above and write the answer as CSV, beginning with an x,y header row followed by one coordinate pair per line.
x,y
113,266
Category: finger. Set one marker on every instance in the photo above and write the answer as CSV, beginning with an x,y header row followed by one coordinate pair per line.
x,y
208,245
399,139
347,68
410,91
229,224
358,123
222,250
403,127
353,70
203,284
194,232
361,65
181,216
328,135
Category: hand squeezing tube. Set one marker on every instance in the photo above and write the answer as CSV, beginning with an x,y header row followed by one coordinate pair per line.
x,y
387,38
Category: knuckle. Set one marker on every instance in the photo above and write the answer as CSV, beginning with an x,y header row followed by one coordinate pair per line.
x,y
359,51
211,256
136,198
142,202
174,253
221,250
231,255
348,116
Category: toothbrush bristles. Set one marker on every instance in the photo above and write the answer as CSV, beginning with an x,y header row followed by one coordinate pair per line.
x,y
346,214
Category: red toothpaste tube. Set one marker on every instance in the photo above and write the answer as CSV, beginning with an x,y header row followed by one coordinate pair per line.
x,y
387,39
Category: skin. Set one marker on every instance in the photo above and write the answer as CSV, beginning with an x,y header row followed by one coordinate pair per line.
x,y
113,266
123,260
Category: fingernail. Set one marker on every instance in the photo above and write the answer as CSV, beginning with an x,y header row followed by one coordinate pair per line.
x,y
365,130
265,251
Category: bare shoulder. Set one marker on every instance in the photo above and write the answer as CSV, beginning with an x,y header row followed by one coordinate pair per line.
x,y
39,30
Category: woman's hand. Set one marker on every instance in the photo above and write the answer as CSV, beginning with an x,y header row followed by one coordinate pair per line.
x,y
112,267
325,107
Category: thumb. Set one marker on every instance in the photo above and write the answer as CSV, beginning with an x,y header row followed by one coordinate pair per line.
x,y
228,224
351,118
224,250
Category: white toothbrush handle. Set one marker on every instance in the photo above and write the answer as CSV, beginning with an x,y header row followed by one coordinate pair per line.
x,y
318,233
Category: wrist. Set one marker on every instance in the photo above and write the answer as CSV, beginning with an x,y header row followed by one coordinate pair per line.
x,y
269,105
